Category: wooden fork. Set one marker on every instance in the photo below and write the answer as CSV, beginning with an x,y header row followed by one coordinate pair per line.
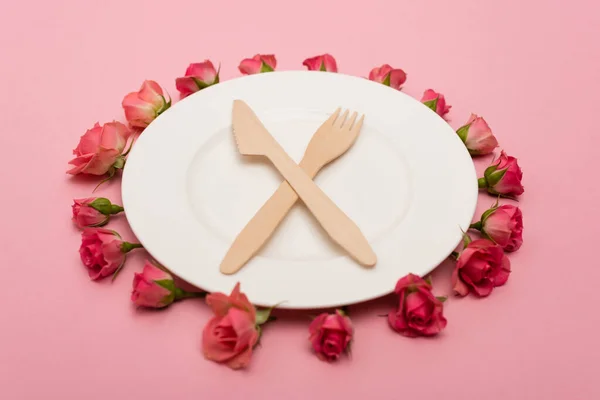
x,y
332,139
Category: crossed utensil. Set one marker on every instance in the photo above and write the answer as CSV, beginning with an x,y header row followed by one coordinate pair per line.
x,y
332,139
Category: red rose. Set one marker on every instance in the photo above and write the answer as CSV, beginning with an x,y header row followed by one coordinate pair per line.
x,y
503,225
103,252
419,312
330,335
503,177
232,333
480,268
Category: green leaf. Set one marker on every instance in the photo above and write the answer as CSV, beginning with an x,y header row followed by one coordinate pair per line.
x,y
102,205
485,215
482,183
462,132
201,85
432,104
119,163
262,316
466,239
168,284
476,225
387,80
322,66
493,178
441,298
265,67
428,280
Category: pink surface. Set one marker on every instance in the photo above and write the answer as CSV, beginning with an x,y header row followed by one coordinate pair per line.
x,y
529,67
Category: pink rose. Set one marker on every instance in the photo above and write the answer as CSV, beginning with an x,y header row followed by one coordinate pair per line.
x,y
257,64
477,136
93,211
503,177
419,312
330,335
324,62
155,288
481,267
388,76
197,77
436,101
232,333
103,252
143,106
100,149
502,225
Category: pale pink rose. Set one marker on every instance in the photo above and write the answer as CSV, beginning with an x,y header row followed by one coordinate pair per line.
x,y
103,252
388,76
86,216
153,288
504,226
477,136
100,149
257,64
143,106
330,335
93,211
503,177
419,312
480,267
436,101
232,333
197,77
324,62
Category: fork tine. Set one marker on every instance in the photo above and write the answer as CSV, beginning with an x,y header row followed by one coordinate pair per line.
x,y
341,120
356,127
334,116
350,123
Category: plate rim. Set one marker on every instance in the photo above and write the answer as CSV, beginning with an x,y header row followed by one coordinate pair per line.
x,y
358,299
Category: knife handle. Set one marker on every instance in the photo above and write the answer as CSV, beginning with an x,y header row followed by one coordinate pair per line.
x,y
260,228
337,224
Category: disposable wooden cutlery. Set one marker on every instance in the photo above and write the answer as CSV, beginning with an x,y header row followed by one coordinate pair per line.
x,y
334,137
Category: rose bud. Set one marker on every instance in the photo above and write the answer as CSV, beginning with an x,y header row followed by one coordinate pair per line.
x,y
481,266
258,64
503,177
419,312
100,150
388,76
155,288
143,106
324,62
502,225
477,136
93,211
330,335
197,77
436,101
230,336
103,252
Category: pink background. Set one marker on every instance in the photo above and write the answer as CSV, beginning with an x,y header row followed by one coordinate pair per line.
x,y
529,67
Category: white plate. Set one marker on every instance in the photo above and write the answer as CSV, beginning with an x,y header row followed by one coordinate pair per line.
x,y
408,182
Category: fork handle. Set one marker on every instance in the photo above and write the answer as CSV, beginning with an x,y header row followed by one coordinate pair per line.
x,y
337,224
261,227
